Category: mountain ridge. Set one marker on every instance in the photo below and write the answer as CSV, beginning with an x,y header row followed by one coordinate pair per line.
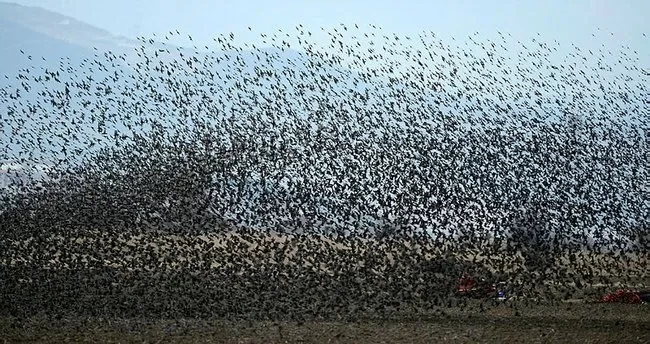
x,y
60,27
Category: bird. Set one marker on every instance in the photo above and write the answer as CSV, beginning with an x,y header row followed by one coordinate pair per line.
x,y
316,179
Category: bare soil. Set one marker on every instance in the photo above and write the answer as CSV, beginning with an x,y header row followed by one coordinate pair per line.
x,y
62,273
563,323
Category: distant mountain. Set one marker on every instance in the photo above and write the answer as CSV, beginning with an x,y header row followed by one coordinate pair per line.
x,y
59,27
40,33
37,39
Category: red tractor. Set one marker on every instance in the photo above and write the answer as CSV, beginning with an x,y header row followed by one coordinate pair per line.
x,y
479,288
626,296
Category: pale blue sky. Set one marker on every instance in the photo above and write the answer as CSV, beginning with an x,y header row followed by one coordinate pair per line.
x,y
565,20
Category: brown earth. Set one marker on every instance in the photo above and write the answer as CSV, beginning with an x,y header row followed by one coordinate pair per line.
x,y
579,323
512,322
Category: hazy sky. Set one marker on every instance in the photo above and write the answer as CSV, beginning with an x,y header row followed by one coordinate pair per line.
x,y
566,20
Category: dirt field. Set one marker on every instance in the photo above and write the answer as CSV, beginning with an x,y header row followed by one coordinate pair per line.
x,y
117,289
580,323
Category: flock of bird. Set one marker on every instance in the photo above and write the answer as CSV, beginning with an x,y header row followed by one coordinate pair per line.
x,y
358,177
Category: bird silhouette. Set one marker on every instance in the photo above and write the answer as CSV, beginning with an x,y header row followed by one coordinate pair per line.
x,y
334,179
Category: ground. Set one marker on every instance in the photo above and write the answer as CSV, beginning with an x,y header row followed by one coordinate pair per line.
x,y
40,279
571,323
